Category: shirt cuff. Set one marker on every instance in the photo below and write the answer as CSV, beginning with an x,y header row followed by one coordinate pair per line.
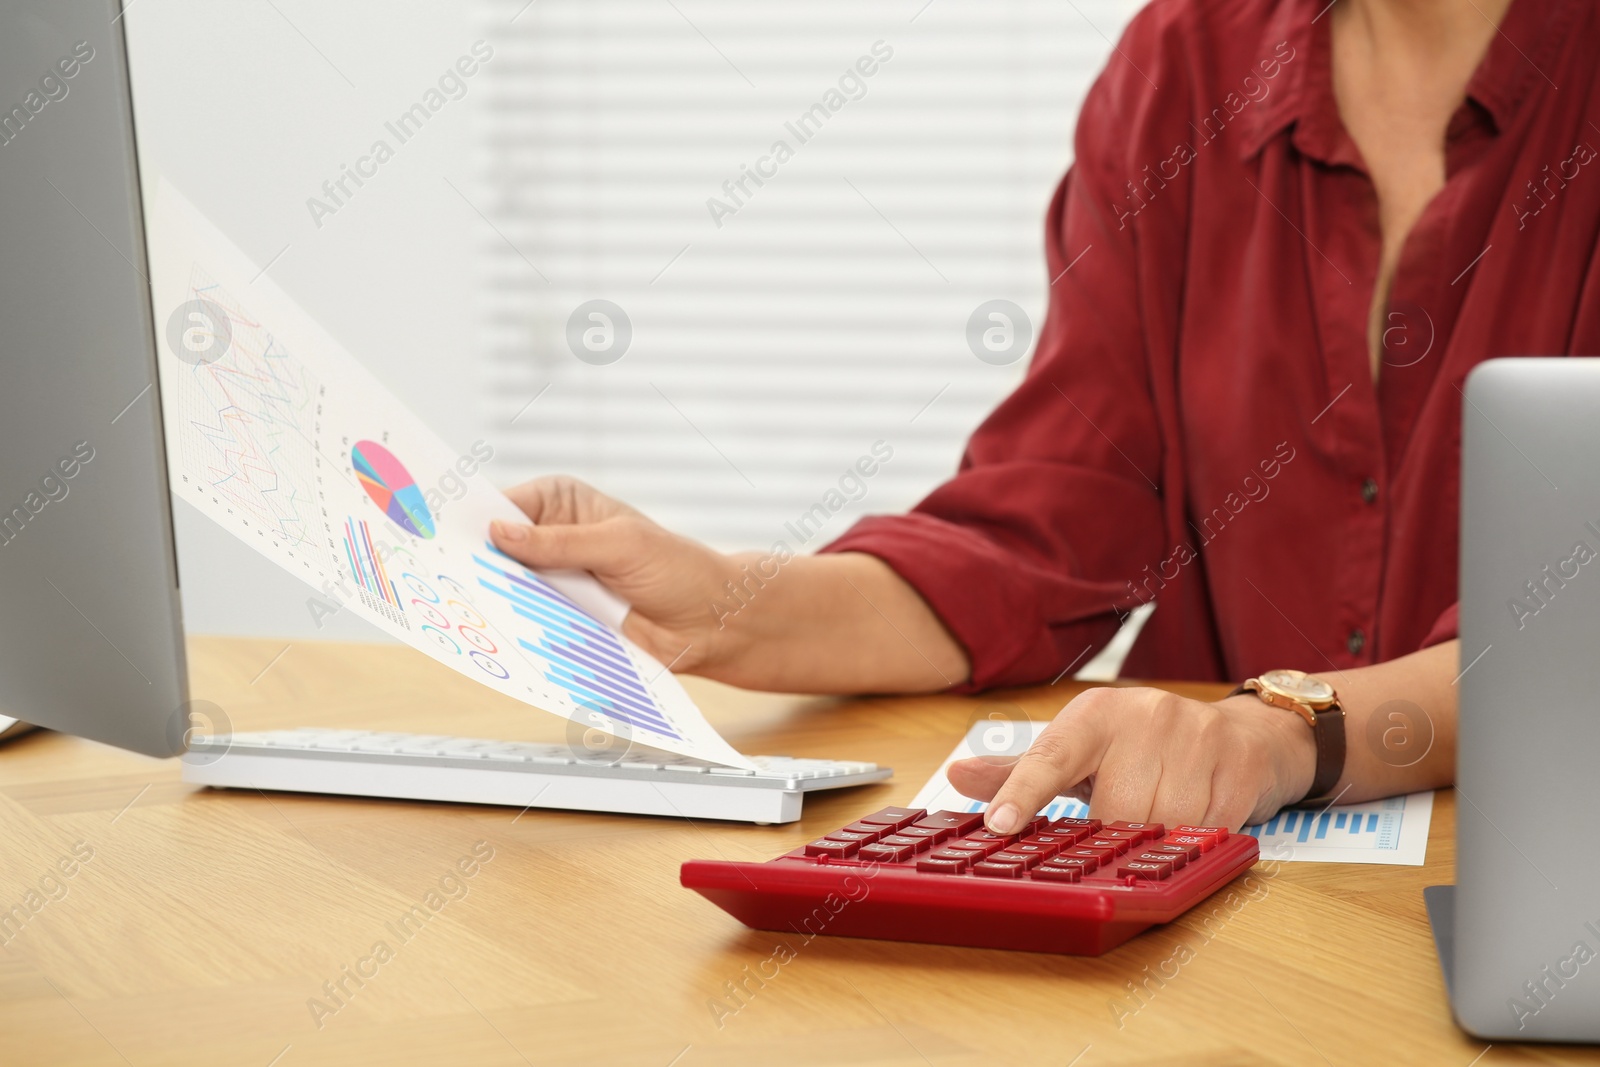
x,y
1446,628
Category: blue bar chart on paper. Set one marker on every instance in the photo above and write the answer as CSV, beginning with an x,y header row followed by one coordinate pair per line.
x,y
1389,831
583,657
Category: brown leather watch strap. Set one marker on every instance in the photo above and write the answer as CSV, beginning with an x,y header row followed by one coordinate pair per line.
x,y
1329,733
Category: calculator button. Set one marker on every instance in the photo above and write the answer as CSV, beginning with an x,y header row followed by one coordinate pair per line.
x,y
1058,874
1065,826
866,828
1150,872
1112,844
1216,835
1148,831
989,869
1175,861
1042,848
934,834
846,835
1026,859
915,844
1133,837
957,822
885,853
832,849
896,817
935,865
1186,850
990,835
955,854
1086,864
1058,840
1097,856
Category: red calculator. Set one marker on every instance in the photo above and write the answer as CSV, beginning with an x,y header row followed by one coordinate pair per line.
x,y
1075,886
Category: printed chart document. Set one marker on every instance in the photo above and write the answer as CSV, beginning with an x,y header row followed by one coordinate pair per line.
x,y
1393,830
285,440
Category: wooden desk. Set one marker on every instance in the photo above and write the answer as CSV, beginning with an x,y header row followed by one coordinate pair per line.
x,y
204,922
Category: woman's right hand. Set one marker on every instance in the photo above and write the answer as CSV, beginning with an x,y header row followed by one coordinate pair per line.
x,y
672,582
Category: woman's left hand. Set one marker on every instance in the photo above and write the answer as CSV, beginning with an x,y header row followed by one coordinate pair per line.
x,y
1145,755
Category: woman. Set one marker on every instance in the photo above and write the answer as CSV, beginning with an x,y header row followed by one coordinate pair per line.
x,y
1290,231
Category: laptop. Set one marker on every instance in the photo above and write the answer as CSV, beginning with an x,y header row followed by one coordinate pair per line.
x,y
1519,933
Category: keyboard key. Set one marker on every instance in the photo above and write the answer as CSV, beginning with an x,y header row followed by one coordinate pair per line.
x,y
1175,861
1150,872
896,817
935,865
837,850
990,869
882,853
957,822
1047,873
915,844
1149,831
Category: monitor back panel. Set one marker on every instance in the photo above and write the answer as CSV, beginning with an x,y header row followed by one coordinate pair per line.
x,y
1527,956
90,637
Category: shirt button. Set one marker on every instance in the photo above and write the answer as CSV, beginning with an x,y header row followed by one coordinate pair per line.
x,y
1369,490
1356,642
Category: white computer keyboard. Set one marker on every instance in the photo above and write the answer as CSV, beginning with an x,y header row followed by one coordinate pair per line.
x,y
515,774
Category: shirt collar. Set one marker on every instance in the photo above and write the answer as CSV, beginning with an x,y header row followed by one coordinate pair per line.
x,y
1516,61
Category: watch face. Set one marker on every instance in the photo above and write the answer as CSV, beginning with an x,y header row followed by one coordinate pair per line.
x,y
1299,686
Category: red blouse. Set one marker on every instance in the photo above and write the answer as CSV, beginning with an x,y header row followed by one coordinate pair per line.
x,y
1200,426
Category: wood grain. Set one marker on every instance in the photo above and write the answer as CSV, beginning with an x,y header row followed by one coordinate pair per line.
x,y
203,925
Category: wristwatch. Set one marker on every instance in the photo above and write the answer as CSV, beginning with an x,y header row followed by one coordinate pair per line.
x,y
1317,703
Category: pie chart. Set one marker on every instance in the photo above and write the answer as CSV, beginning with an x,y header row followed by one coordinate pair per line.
x,y
392,488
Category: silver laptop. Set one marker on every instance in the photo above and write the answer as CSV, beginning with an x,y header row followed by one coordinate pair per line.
x,y
1519,933
90,639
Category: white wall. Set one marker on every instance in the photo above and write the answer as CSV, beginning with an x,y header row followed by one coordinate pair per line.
x,y
829,312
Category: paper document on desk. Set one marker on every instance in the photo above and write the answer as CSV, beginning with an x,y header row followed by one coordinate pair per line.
x,y
1393,830
284,439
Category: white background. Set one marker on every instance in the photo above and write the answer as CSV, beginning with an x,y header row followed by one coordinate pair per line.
x,y
767,354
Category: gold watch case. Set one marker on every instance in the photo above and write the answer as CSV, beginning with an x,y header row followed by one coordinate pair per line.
x,y
1294,691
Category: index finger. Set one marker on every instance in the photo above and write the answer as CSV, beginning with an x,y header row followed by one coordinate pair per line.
x,y
1065,753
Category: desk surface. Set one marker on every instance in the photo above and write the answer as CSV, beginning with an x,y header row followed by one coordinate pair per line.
x,y
204,924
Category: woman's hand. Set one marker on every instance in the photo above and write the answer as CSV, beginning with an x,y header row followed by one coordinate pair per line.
x,y
1144,755
671,582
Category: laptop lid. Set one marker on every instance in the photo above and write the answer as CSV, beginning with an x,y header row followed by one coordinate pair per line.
x,y
90,635
1527,901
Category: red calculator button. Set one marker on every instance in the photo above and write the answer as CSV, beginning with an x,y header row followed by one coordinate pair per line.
x,y
954,854
832,849
988,869
957,822
1043,848
934,865
1133,837
865,828
1086,864
1091,857
1058,874
1150,872
967,844
1148,831
932,833
1062,826
1175,860
849,835
1108,844
915,844
885,853
1058,840
896,817
987,835
1178,848
1215,834
1204,844
1025,859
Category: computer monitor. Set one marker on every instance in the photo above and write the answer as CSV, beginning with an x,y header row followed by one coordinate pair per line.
x,y
91,638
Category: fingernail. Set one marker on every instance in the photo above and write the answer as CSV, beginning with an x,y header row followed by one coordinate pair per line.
x,y
1004,819
509,532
